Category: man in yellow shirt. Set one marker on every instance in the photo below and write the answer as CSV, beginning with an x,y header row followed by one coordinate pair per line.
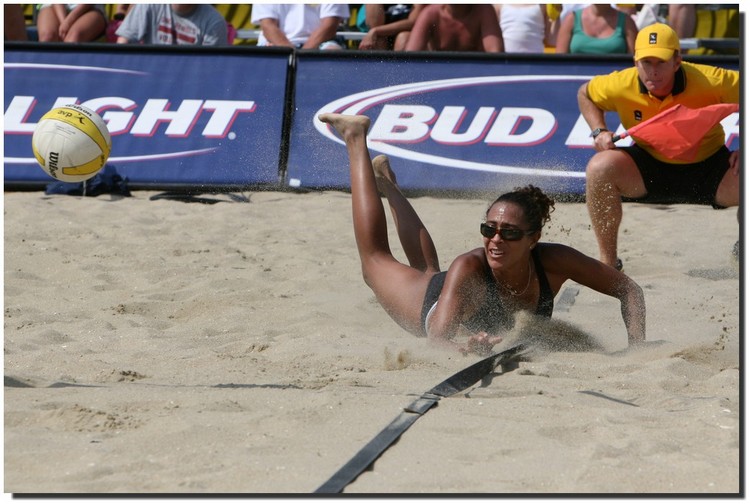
x,y
658,81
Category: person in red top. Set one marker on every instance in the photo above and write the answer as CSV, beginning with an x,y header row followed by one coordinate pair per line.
x,y
658,81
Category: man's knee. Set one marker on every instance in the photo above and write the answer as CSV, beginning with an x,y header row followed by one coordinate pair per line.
x,y
728,192
602,165
618,171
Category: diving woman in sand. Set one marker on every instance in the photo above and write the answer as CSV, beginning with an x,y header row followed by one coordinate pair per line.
x,y
482,289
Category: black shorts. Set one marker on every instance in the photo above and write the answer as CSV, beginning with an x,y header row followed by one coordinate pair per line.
x,y
431,296
668,183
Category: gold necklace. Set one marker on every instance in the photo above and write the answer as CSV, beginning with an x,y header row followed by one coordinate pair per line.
x,y
511,291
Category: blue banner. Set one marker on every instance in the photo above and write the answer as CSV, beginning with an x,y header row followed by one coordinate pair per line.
x,y
464,124
222,117
176,117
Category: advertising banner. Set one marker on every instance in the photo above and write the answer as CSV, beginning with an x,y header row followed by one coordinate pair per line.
x,y
222,117
481,124
176,118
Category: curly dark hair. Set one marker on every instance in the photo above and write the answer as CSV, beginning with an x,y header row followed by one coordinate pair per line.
x,y
536,205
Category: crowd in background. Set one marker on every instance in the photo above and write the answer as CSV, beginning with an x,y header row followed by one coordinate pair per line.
x,y
509,28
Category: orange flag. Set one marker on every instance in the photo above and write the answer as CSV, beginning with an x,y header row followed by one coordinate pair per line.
x,y
676,133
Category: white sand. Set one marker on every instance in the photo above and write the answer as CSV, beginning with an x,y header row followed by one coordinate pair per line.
x,y
235,348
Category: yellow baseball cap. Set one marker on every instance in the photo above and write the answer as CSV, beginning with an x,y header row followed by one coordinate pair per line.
x,y
658,41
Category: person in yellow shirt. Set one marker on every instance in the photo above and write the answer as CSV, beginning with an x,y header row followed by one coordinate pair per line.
x,y
658,81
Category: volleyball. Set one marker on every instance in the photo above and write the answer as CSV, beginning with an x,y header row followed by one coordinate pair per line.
x,y
71,143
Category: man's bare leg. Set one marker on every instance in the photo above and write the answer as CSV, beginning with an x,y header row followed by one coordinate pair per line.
x,y
417,243
609,176
728,195
605,209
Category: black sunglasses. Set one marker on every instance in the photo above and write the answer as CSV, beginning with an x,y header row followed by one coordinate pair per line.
x,y
507,234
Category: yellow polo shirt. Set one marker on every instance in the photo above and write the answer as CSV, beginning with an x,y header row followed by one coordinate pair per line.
x,y
695,86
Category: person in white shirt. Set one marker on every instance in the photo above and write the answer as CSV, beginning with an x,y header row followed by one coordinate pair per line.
x,y
301,26
525,27
173,24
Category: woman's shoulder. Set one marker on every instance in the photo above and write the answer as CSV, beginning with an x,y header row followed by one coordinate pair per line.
x,y
554,247
473,260
562,262
474,256
467,271
551,253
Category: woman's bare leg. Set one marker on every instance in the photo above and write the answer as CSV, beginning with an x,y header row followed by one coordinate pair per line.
x,y
47,25
417,243
399,288
87,28
370,228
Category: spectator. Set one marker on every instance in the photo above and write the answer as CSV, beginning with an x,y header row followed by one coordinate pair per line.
x,y
681,17
556,13
456,27
596,29
15,23
301,26
706,21
649,14
71,22
659,80
173,24
629,9
387,26
525,27
120,11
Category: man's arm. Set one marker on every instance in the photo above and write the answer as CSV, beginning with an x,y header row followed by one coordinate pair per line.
x,y
272,31
392,29
564,34
492,36
325,31
374,15
422,31
216,31
134,25
594,117
631,32
683,19
547,27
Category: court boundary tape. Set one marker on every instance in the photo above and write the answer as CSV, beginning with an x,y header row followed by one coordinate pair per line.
x,y
411,413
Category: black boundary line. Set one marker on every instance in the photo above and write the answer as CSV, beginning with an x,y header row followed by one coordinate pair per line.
x,y
460,381
604,396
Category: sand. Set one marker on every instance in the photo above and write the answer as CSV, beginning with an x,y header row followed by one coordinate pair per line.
x,y
169,347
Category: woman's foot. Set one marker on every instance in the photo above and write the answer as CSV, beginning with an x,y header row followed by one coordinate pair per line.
x,y
347,125
384,176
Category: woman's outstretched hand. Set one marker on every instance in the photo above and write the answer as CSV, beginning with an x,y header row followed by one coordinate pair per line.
x,y
481,343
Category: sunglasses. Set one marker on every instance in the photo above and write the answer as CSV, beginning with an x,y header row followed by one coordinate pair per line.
x,y
507,234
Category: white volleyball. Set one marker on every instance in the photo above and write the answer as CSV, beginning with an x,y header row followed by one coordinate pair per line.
x,y
71,143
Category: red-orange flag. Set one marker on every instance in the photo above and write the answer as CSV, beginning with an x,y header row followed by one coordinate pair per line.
x,y
676,133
